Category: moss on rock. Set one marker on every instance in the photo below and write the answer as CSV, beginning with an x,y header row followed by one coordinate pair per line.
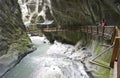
x,y
14,42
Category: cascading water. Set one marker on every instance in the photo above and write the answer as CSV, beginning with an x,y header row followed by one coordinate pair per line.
x,y
59,63
51,61
35,10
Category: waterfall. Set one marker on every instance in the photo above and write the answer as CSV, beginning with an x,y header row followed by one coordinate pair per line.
x,y
34,15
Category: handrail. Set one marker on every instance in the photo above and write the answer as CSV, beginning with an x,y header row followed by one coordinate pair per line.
x,y
93,30
103,52
88,29
115,59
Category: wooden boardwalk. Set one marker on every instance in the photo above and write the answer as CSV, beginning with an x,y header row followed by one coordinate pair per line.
x,y
110,31
94,30
115,59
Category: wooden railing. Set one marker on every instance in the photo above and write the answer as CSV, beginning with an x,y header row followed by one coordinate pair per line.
x,y
94,30
115,60
113,31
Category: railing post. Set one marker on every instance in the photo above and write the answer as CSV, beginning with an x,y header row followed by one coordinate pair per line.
x,y
80,28
87,29
84,29
91,30
118,54
115,52
103,32
113,36
97,30
87,34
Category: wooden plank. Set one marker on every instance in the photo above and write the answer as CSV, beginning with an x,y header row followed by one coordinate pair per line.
x,y
115,70
118,31
113,36
118,66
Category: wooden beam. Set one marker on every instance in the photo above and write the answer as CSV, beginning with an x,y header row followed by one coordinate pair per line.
x,y
115,52
118,31
115,70
97,30
113,36
118,66
103,31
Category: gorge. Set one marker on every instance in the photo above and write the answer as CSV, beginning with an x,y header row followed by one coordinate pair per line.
x,y
59,54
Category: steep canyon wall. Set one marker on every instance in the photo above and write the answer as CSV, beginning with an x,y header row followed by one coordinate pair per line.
x,y
14,42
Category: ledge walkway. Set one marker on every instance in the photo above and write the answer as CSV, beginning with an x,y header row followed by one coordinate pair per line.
x,y
108,31
94,30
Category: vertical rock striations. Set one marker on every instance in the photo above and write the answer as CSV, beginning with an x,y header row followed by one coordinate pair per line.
x,y
14,42
70,12
86,12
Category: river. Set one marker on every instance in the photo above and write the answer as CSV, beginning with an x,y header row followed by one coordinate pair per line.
x,y
51,61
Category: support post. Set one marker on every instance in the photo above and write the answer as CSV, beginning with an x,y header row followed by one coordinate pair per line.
x,y
87,29
97,30
91,30
103,32
113,36
115,52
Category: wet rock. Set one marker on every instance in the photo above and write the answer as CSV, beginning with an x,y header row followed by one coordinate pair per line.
x,y
13,38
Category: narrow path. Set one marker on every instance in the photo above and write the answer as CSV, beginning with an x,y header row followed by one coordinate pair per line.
x,y
25,68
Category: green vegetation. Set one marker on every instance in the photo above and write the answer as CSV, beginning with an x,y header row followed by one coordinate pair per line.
x,y
21,45
104,59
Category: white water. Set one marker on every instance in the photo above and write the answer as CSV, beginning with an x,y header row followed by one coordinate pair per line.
x,y
32,17
51,61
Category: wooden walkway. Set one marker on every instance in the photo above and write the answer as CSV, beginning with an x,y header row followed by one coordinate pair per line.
x,y
94,30
112,31
115,59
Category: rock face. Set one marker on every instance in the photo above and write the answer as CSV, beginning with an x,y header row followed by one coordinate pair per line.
x,y
70,12
14,42
63,13
86,12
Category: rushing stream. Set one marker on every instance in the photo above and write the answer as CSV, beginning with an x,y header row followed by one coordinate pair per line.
x,y
51,61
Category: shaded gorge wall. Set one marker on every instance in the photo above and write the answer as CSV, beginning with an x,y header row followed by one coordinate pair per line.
x,y
14,42
71,37
86,12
